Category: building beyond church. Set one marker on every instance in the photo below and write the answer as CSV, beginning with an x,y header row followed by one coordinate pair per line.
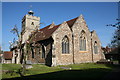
x,y
67,43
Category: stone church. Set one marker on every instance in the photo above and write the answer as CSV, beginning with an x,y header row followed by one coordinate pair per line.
x,y
70,42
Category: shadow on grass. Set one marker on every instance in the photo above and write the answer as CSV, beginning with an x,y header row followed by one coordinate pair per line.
x,y
84,74
113,65
114,74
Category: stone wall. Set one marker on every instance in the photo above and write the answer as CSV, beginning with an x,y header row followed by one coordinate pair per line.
x,y
58,35
100,55
46,46
28,27
53,45
75,55
81,56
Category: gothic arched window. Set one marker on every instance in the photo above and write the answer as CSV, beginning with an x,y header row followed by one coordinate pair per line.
x,y
82,41
43,51
65,45
95,48
32,51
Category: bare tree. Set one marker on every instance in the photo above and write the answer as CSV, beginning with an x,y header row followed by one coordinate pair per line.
x,y
15,31
116,37
19,45
115,42
27,45
1,52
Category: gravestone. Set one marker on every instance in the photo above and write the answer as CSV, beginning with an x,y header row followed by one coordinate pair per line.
x,y
28,64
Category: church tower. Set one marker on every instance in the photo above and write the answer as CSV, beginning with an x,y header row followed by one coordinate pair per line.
x,y
29,24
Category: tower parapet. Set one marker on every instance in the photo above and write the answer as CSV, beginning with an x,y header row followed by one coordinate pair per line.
x,y
29,24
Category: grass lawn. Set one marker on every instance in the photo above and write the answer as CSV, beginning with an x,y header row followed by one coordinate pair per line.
x,y
80,71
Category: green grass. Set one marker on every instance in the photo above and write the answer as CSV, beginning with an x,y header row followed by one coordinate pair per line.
x,y
87,66
38,69
80,71
0,71
11,66
0,66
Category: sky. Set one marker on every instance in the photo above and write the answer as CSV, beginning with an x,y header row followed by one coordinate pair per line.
x,y
96,14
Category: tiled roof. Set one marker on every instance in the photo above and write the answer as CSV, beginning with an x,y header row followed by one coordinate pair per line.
x,y
71,22
7,54
47,31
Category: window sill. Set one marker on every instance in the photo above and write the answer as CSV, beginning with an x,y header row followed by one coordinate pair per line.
x,y
83,51
65,53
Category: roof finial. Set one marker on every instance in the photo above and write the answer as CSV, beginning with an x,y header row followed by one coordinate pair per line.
x,y
30,6
53,22
52,25
81,16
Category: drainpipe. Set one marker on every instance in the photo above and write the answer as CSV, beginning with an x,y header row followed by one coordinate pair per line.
x,y
92,48
73,47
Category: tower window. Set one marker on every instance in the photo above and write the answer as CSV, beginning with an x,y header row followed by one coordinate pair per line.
x,y
32,23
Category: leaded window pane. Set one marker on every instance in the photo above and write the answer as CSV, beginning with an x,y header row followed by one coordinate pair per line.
x,y
95,48
65,45
96,51
84,45
32,52
82,41
81,44
43,52
62,47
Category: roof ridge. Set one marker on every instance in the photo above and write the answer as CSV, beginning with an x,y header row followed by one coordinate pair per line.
x,y
45,33
45,27
73,19
71,22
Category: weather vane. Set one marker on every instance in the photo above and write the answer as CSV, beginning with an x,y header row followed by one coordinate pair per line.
x,y
30,7
31,12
